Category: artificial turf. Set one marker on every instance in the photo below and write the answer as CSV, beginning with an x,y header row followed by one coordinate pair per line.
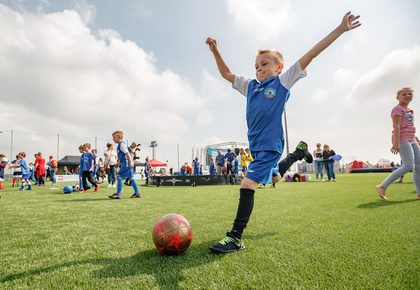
x,y
301,235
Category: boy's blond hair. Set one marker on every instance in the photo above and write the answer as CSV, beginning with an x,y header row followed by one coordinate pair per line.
x,y
118,133
278,57
403,90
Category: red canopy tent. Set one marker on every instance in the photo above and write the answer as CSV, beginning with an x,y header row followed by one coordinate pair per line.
x,y
156,163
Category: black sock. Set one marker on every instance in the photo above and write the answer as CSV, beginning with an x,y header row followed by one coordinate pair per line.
x,y
245,206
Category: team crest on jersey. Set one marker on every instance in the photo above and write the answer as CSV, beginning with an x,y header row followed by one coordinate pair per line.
x,y
270,92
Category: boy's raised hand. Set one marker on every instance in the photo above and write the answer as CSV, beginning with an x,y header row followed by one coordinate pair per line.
x,y
212,44
349,22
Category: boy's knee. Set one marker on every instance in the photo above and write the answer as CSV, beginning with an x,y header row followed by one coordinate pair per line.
x,y
249,184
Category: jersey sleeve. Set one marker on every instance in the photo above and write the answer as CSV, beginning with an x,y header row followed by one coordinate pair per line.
x,y
294,73
241,84
123,148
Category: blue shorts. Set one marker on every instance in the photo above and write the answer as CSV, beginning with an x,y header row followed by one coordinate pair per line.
x,y
125,172
25,176
264,167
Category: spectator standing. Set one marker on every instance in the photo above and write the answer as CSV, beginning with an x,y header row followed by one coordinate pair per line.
x,y
327,155
40,171
319,162
220,162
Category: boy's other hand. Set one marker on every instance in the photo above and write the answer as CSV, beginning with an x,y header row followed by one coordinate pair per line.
x,y
211,43
349,22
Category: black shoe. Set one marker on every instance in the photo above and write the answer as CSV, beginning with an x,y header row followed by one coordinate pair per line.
x,y
128,182
302,146
227,245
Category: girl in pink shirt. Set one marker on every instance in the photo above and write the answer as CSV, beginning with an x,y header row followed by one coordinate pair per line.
x,y
404,142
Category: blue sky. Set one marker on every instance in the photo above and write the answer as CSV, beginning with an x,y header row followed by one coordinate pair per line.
x,y
86,68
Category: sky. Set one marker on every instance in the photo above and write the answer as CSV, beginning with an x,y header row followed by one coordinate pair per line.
x,y
73,71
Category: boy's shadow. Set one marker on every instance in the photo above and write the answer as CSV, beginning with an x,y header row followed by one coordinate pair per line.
x,y
167,270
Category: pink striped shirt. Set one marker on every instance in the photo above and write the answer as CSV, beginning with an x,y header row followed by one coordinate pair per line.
x,y
407,129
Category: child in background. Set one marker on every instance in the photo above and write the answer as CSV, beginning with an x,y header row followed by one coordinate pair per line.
x,y
31,172
126,166
3,163
82,152
196,166
87,166
17,172
266,97
404,142
95,166
23,165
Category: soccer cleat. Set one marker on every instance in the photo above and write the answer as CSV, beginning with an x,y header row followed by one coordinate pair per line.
x,y
22,188
96,189
29,187
115,196
136,195
227,245
304,148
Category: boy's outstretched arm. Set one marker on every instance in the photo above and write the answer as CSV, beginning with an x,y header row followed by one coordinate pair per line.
x,y
349,22
221,65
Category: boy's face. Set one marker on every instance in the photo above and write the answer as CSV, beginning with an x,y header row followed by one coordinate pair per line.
x,y
405,97
266,67
116,138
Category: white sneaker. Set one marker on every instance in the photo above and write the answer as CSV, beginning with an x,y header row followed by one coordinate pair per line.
x,y
322,180
114,185
109,185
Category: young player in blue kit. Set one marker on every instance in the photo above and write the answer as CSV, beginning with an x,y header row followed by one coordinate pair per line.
x,y
126,166
266,97
21,162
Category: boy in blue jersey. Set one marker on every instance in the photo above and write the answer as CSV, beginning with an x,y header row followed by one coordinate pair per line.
x,y
196,166
266,97
87,166
126,166
21,162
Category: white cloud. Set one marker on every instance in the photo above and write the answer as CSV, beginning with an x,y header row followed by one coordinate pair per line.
x,y
86,11
56,75
263,19
399,68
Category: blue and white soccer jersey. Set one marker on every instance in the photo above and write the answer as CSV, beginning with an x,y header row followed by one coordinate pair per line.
x,y
24,168
125,170
264,109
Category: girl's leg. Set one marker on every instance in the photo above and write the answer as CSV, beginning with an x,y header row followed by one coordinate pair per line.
x,y
407,157
416,171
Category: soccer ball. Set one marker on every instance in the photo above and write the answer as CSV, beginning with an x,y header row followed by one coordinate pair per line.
x,y
67,189
172,234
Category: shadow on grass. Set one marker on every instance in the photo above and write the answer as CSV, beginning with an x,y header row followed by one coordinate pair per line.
x,y
84,199
167,270
381,203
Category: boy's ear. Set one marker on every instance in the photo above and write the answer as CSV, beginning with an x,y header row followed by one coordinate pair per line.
x,y
280,67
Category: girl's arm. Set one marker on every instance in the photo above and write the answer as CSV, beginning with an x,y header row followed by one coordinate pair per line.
x,y
396,121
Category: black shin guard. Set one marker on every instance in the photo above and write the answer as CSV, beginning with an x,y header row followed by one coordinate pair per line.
x,y
246,204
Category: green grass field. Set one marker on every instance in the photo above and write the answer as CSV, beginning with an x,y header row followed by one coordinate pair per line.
x,y
301,235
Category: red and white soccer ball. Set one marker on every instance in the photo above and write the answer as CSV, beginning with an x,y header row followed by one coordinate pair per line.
x,y
172,234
